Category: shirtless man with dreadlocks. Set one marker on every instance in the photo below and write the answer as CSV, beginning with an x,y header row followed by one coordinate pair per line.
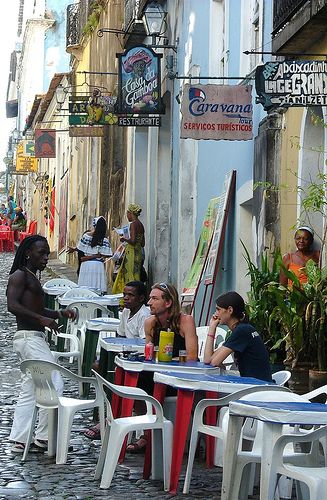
x,y
25,299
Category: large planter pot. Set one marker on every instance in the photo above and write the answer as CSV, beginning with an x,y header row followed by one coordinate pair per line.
x,y
317,379
299,381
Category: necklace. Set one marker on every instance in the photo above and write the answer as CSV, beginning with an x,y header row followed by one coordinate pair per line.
x,y
31,272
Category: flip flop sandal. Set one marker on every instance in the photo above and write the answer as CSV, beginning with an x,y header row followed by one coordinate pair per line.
x,y
93,433
20,447
135,448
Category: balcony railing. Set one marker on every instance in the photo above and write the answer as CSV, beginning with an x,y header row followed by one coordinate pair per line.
x,y
284,10
77,15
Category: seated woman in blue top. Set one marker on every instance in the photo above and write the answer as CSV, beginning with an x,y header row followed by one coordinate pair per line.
x,y
244,343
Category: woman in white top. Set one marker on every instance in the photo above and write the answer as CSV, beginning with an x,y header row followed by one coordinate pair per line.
x,y
94,248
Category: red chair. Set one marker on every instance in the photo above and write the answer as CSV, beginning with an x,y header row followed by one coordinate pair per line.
x,y
7,240
31,230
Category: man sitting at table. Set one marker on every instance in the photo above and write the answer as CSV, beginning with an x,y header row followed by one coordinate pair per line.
x,y
135,312
250,353
165,314
131,326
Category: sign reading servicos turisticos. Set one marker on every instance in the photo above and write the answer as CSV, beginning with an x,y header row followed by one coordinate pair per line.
x,y
217,112
291,83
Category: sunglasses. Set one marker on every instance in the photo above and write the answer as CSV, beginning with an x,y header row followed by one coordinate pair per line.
x,y
166,288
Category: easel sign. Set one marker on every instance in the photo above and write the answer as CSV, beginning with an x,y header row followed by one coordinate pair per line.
x,y
195,273
217,242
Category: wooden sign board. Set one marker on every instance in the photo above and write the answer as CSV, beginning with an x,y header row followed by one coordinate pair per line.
x,y
86,131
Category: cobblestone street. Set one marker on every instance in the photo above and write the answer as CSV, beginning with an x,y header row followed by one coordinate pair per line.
x,y
40,477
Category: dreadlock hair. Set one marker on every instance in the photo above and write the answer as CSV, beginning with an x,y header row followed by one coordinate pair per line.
x,y
169,292
20,259
99,232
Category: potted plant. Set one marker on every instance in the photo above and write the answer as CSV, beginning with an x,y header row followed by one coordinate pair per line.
x,y
262,302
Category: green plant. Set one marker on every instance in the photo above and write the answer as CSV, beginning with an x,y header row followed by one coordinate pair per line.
x,y
261,303
96,9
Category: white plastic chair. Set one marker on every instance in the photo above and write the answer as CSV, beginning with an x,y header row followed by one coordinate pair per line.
x,y
117,429
199,426
281,377
241,477
314,477
73,351
202,332
63,283
84,311
61,408
79,293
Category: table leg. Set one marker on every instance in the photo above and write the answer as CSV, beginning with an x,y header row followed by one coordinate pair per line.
x,y
230,455
211,419
271,431
159,392
89,354
183,414
115,400
131,379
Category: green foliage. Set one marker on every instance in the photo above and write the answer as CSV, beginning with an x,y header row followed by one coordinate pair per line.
x,y
260,304
96,9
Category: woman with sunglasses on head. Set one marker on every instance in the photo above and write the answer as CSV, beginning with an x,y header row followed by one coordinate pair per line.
x,y
296,261
245,343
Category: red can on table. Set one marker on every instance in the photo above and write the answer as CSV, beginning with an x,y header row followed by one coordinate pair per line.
x,y
148,351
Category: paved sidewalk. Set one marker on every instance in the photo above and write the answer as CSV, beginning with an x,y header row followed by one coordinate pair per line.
x,y
57,269
40,477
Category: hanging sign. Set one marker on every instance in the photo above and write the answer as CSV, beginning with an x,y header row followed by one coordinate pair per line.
x,y
217,112
28,148
86,131
24,164
139,121
98,109
139,82
45,143
291,83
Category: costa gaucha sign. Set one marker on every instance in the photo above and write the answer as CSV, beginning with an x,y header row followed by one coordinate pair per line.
x,y
139,82
291,83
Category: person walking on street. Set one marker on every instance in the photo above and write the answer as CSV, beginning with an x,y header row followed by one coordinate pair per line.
x,y
25,299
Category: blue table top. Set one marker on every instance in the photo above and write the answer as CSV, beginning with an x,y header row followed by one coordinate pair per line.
x,y
219,378
187,364
290,406
124,341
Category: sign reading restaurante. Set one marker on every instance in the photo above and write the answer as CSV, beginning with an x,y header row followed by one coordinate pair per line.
x,y
217,112
139,82
292,83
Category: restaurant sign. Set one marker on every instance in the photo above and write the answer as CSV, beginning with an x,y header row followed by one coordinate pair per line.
x,y
291,83
45,143
139,82
97,109
217,112
139,121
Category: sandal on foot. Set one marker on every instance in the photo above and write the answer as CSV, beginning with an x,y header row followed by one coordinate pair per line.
x,y
41,443
93,433
20,448
137,447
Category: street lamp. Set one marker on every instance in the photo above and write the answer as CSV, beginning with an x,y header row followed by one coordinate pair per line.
x,y
153,20
60,95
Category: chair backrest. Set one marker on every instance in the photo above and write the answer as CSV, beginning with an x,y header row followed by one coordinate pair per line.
x,y
88,310
281,377
73,342
59,283
129,393
79,293
41,372
202,332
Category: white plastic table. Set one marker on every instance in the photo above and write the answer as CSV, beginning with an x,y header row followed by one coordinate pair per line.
x,y
187,384
273,415
103,300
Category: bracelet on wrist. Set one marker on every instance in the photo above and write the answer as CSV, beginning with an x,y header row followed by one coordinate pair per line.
x,y
211,335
